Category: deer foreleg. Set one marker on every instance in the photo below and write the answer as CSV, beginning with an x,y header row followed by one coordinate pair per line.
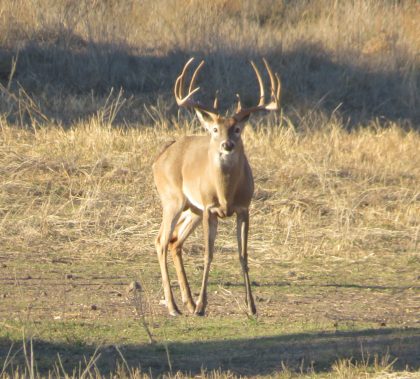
x,y
242,225
210,230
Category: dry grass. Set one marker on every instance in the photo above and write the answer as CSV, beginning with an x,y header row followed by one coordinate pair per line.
x,y
332,209
329,193
359,59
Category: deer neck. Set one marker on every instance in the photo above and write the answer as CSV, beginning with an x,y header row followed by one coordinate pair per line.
x,y
227,170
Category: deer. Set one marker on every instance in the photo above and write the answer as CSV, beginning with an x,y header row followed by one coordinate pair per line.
x,y
201,178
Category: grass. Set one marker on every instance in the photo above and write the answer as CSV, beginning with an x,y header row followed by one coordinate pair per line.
x,y
85,103
359,59
333,248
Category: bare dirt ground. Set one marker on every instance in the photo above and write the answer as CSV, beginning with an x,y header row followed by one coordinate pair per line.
x,y
68,288
73,305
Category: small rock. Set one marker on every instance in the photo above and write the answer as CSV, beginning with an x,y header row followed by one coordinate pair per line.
x,y
93,307
69,276
3,265
43,293
383,323
3,296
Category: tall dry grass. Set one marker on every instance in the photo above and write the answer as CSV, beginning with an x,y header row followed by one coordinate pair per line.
x,y
359,58
324,194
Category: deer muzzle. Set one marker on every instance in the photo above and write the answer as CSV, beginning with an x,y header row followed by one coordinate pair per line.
x,y
227,146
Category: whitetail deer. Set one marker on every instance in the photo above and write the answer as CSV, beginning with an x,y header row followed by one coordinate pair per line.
x,y
203,178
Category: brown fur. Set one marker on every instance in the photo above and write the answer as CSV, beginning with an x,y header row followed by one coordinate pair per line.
x,y
206,178
198,179
163,149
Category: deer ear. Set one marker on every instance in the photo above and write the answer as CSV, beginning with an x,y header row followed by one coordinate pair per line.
x,y
242,120
207,119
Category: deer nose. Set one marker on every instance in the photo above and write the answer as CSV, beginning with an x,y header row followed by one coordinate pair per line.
x,y
227,145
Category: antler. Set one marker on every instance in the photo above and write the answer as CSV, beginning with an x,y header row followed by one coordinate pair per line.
x,y
187,100
241,113
273,105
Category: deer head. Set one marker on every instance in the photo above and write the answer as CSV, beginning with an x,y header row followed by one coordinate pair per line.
x,y
225,132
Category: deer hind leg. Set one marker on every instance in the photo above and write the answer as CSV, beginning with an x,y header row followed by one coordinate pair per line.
x,y
171,215
210,231
242,225
185,226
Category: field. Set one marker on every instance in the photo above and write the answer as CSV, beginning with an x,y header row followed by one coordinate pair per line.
x,y
85,105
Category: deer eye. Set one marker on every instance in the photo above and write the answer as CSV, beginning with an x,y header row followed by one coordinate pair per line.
x,y
215,130
237,130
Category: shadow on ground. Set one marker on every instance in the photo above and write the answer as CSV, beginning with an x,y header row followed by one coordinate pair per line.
x,y
254,356
57,66
335,285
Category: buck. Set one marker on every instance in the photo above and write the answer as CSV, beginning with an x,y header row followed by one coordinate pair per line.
x,y
203,178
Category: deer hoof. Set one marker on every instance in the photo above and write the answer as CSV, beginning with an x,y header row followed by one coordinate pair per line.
x,y
252,310
174,313
199,309
191,307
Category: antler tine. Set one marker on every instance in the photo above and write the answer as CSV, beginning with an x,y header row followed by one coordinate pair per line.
x,y
260,82
183,101
239,106
272,80
278,87
176,90
216,101
196,71
179,86
179,83
187,101
273,105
